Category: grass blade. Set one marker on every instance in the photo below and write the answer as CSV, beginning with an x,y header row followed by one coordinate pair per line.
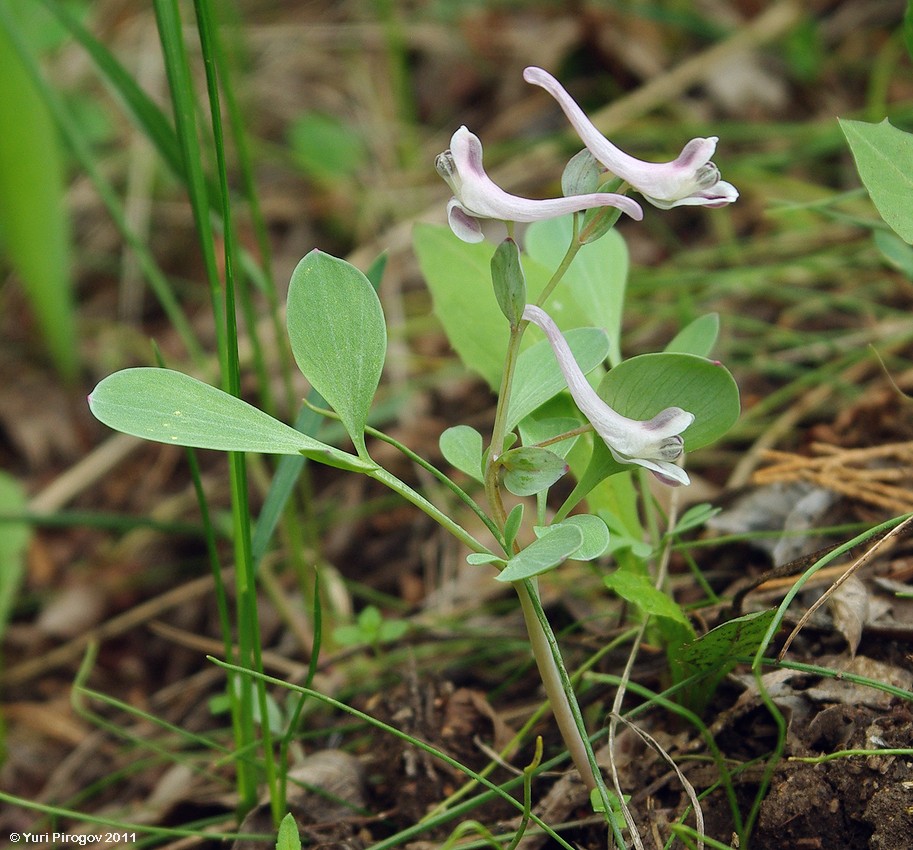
x,y
33,218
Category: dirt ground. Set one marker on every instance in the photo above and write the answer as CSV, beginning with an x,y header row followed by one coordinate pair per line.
x,y
118,594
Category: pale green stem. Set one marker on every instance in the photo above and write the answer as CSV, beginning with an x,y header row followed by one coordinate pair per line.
x,y
461,494
554,686
567,435
543,644
499,431
417,499
572,250
560,691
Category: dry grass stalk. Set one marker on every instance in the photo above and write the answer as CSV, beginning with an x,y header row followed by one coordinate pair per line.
x,y
867,475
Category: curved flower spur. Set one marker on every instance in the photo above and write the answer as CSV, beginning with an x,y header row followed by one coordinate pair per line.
x,y
476,195
653,443
689,180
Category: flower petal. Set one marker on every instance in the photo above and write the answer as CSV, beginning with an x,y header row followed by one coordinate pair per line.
x,y
465,226
668,423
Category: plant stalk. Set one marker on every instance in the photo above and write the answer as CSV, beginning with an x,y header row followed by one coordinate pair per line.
x,y
554,688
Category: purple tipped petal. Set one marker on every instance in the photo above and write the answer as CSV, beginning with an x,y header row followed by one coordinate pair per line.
x,y
465,226
669,423
696,152
671,479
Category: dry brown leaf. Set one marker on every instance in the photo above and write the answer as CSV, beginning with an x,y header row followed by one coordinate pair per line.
x,y
850,609
850,693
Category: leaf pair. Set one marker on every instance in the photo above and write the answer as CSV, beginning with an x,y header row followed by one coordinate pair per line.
x,y
582,537
338,336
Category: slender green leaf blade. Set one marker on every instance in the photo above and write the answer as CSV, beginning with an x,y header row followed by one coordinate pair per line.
x,y
512,525
338,336
907,29
695,517
145,112
884,159
171,407
14,538
34,227
476,558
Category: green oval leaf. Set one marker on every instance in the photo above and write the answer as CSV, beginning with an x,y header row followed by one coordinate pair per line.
x,y
543,554
509,281
461,447
288,837
884,159
338,336
476,558
643,386
721,646
639,590
512,525
171,407
698,337
595,535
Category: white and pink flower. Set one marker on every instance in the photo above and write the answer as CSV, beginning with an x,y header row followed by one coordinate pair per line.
x,y
691,179
476,196
652,443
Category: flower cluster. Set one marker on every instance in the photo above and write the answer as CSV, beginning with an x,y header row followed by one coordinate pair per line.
x,y
691,179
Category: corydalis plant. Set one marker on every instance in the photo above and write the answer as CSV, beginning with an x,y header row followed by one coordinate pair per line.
x,y
476,195
337,332
691,179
